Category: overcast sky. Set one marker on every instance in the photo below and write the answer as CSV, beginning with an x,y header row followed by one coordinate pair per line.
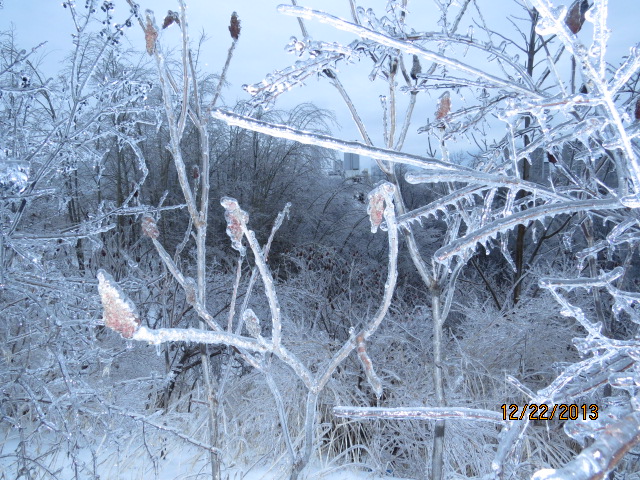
x,y
265,32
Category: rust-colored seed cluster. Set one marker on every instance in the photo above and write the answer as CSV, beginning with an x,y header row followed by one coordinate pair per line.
x,y
150,37
444,106
575,18
234,27
119,312
235,218
376,209
149,227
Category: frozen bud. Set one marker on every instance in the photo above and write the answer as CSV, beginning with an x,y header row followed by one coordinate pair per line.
x,y
190,290
234,26
149,227
236,218
120,313
252,323
150,35
195,172
575,17
444,106
171,18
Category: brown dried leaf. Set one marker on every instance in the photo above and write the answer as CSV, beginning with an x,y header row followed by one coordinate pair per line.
x,y
234,27
444,106
149,227
120,313
575,17
150,36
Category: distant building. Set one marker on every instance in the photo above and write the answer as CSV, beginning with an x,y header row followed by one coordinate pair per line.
x,y
351,165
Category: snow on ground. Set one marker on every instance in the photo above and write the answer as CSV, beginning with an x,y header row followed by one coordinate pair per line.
x,y
125,461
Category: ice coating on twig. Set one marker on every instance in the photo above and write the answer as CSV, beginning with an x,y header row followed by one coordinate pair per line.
x,y
367,365
424,413
599,459
325,141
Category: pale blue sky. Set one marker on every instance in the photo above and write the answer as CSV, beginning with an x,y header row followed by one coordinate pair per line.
x,y
265,33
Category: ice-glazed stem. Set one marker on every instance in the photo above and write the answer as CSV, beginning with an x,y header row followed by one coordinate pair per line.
x,y
326,141
205,337
386,189
461,246
420,413
596,461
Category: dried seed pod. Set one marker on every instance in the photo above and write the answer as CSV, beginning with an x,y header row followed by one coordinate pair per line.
x,y
120,313
149,227
150,36
444,106
416,68
171,18
195,172
234,26
575,17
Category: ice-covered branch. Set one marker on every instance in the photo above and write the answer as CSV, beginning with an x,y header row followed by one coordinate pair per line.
x,y
146,419
387,192
461,246
570,283
421,413
205,337
596,461
481,178
237,224
325,141
404,46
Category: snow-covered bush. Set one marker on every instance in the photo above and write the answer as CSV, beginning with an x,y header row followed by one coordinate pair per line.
x,y
56,212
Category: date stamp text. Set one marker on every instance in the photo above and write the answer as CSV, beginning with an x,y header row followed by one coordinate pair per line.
x,y
549,412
